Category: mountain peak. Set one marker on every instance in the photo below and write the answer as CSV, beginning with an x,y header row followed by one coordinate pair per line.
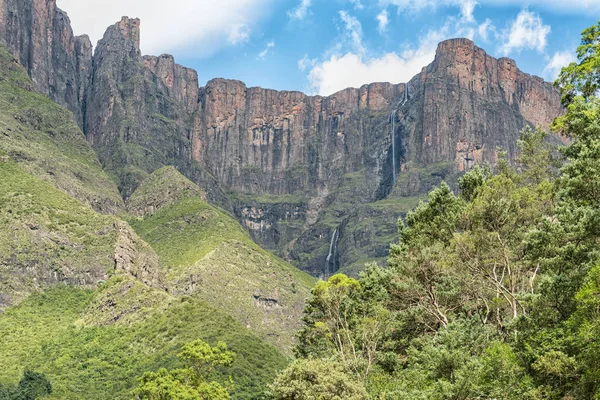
x,y
125,34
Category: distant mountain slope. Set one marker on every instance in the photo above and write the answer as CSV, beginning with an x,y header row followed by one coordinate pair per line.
x,y
208,254
83,299
300,153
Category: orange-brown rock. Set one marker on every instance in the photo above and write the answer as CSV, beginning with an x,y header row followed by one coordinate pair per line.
x,y
39,35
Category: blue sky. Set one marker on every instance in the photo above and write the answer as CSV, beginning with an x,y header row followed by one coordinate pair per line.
x,y
321,46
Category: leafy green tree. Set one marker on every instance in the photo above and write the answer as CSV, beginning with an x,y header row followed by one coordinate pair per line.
x,y
585,327
192,382
32,386
343,321
317,379
570,243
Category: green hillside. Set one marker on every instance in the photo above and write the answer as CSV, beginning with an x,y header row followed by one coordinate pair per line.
x,y
86,301
206,253
55,333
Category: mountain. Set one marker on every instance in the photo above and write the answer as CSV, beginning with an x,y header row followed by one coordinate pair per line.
x,y
53,197
92,304
301,173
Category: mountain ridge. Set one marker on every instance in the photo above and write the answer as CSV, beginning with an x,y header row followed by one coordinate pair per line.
x,y
244,145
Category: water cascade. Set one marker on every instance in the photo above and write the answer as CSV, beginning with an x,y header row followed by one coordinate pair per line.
x,y
331,259
393,118
405,96
393,133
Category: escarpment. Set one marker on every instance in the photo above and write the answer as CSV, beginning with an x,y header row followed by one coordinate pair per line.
x,y
301,172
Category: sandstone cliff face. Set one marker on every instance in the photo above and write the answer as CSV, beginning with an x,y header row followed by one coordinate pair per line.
x,y
358,145
40,36
142,112
296,168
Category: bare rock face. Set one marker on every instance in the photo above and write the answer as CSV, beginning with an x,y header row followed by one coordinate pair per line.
x,y
141,112
40,36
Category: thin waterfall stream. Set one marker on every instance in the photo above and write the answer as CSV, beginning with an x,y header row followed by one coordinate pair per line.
x,y
393,132
331,256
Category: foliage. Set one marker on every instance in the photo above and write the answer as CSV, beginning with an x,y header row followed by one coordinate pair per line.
x,y
191,382
32,386
493,293
45,141
60,333
316,379
201,247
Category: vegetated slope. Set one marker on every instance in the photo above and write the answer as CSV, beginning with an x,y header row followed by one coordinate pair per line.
x,y
47,237
208,254
43,138
71,336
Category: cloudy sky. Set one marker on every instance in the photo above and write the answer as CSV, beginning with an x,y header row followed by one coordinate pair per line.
x,y
321,46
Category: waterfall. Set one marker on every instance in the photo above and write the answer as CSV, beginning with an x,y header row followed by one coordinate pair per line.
x,y
332,251
393,133
405,96
393,118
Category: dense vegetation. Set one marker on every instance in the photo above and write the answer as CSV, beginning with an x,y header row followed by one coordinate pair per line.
x,y
206,253
493,293
59,333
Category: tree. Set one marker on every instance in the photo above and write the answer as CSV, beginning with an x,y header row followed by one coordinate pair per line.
x,y
315,379
423,282
341,321
192,382
32,386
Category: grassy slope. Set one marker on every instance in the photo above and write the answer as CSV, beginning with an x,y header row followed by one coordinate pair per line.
x,y
94,344
85,360
46,236
208,254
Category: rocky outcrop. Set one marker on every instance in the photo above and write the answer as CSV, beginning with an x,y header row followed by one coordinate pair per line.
x,y
39,35
337,153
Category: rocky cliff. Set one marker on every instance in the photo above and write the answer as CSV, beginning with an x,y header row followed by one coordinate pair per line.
x,y
39,35
297,170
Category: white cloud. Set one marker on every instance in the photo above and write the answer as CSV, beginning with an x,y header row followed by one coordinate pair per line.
x,y
526,32
177,24
357,4
300,12
354,69
467,7
485,29
580,7
354,30
307,63
238,33
383,21
263,54
556,63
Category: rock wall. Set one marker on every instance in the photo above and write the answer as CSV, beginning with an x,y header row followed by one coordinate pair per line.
x,y
259,146
40,36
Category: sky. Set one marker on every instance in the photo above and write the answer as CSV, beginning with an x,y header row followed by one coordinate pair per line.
x,y
323,46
